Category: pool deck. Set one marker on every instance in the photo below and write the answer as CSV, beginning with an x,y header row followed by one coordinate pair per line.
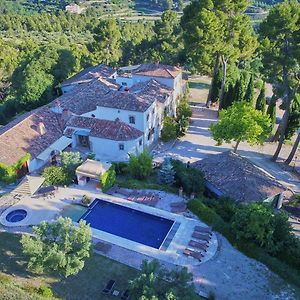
x,y
49,208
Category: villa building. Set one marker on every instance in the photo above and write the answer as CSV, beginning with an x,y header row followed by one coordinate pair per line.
x,y
101,110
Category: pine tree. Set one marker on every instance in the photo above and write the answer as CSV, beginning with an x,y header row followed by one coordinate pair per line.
x,y
261,100
271,111
249,95
166,174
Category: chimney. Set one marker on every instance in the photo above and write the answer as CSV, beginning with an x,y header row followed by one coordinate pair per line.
x,y
66,114
126,89
56,107
41,128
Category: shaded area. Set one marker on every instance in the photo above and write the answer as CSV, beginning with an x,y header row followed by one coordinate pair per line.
x,y
87,284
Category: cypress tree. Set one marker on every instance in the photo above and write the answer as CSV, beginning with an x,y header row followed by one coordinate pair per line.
x,y
216,86
228,97
249,95
261,100
271,111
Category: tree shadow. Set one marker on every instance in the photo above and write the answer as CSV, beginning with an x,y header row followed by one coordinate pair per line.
x,y
199,85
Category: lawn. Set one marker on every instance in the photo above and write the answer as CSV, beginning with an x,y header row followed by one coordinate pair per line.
x,y
199,87
87,284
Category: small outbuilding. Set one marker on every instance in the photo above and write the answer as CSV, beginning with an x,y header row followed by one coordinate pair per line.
x,y
91,170
231,175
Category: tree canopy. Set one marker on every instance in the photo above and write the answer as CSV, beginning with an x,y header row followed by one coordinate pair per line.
x,y
58,246
241,122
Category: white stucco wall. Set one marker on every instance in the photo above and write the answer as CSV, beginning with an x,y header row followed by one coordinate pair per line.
x,y
36,164
109,150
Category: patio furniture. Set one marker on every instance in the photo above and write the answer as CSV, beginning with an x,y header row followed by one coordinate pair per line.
x,y
125,295
199,245
200,236
192,253
109,287
205,229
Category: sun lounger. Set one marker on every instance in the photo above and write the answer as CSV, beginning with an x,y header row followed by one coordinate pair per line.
x,y
201,236
192,253
109,287
203,229
199,245
125,295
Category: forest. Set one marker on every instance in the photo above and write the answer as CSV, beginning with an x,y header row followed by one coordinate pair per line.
x,y
40,50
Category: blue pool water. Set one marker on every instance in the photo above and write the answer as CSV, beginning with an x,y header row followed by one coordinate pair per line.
x,y
128,223
16,215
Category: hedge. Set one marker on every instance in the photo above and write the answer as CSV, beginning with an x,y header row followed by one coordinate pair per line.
x,y
108,179
209,216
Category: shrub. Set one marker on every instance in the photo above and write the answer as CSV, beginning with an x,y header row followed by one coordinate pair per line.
x,y
121,168
45,291
108,179
70,161
86,200
140,166
56,176
191,180
290,255
225,207
169,130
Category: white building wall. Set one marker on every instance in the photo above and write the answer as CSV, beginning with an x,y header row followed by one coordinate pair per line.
x,y
36,164
109,150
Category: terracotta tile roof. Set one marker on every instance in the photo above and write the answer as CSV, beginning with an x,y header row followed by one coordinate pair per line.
x,y
83,98
23,135
238,178
89,74
106,129
157,70
152,89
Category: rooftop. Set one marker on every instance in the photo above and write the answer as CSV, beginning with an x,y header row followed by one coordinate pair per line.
x,y
30,133
83,98
106,129
89,74
157,70
238,178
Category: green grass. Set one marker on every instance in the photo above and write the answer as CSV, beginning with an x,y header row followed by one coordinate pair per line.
x,y
87,284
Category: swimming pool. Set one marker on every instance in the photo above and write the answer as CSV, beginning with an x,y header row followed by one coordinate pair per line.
x,y
128,223
16,215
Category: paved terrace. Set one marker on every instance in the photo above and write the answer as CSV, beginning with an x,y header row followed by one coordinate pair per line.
x,y
49,208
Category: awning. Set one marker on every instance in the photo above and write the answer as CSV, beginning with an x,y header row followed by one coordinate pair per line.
x,y
61,144
29,185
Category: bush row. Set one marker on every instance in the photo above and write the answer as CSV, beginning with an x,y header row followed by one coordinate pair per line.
x,y
246,227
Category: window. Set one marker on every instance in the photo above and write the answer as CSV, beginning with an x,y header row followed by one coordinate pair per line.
x,y
148,117
124,83
93,116
140,142
153,111
131,119
121,146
